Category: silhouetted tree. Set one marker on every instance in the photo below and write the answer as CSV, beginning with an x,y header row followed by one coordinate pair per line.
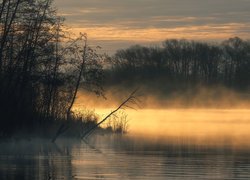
x,y
39,66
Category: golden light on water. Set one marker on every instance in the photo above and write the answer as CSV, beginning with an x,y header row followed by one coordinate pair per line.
x,y
169,121
203,126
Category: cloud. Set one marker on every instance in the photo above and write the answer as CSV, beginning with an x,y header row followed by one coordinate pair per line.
x,y
209,31
104,11
155,20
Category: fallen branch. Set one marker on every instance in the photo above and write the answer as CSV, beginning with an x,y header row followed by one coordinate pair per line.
x,y
131,99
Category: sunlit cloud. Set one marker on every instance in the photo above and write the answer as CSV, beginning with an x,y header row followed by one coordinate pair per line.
x,y
140,21
210,31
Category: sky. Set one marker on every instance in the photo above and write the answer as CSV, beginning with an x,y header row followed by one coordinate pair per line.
x,y
115,24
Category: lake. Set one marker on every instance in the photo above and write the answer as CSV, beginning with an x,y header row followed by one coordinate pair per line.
x,y
161,144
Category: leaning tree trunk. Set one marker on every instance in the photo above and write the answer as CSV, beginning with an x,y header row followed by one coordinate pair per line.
x,y
65,126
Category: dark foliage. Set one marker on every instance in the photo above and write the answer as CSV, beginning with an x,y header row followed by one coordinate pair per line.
x,y
40,68
181,64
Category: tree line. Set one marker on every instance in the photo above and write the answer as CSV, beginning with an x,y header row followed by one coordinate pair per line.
x,y
185,63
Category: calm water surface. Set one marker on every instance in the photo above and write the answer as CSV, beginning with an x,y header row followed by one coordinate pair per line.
x,y
193,152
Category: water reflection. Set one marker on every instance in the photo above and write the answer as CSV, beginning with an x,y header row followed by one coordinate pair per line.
x,y
34,159
162,144
116,157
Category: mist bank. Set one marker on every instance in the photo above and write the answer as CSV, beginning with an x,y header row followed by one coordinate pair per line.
x,y
151,98
180,73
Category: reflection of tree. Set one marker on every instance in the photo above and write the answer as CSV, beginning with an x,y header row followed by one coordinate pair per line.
x,y
121,158
31,160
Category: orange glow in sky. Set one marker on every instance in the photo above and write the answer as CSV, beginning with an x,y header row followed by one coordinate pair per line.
x,y
206,32
115,24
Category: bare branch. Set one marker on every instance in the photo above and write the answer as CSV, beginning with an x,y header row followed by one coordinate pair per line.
x,y
131,97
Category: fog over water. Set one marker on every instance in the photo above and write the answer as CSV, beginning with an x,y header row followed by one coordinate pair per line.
x,y
150,97
162,143
210,117
122,157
